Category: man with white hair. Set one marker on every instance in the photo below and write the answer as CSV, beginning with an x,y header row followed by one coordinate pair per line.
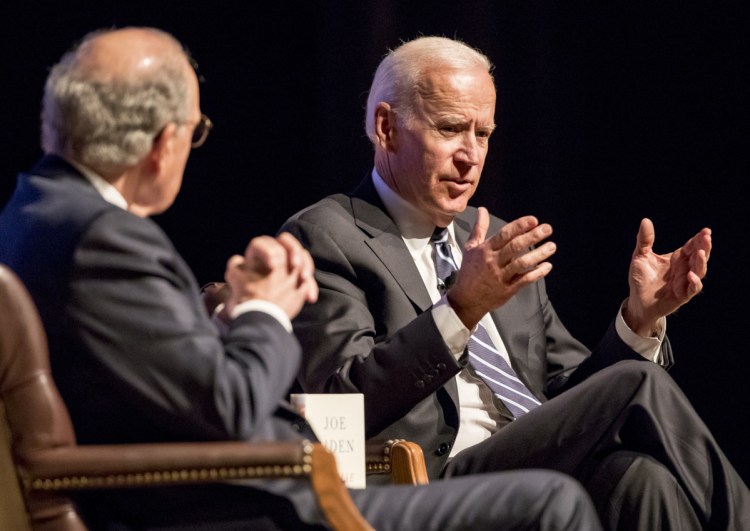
x,y
132,349
438,313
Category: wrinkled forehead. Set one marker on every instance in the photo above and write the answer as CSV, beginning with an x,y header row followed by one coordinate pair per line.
x,y
472,88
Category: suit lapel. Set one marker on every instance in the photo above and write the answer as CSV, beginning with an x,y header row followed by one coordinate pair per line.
x,y
386,243
388,246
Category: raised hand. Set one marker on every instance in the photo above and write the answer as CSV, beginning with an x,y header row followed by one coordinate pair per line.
x,y
661,283
494,269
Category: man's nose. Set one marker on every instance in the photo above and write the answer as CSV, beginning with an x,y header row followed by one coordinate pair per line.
x,y
469,151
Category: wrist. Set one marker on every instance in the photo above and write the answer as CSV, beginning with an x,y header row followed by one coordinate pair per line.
x,y
638,323
469,314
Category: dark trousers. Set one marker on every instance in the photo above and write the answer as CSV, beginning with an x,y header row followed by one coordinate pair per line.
x,y
539,500
630,435
528,500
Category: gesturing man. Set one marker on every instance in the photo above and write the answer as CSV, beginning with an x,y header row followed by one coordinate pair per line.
x,y
438,313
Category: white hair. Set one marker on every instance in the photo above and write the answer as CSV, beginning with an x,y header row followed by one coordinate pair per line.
x,y
397,78
110,125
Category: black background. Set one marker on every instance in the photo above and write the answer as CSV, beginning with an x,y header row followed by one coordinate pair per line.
x,y
608,112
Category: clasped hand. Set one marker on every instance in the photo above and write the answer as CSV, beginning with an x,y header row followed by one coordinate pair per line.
x,y
277,270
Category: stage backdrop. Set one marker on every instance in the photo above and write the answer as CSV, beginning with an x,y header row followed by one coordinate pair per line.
x,y
608,112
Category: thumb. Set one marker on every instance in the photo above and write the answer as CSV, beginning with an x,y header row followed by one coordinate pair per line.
x,y
479,232
646,237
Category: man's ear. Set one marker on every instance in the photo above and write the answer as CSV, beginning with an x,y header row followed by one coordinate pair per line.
x,y
385,126
162,148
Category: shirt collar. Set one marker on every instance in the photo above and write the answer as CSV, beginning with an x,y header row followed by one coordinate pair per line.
x,y
415,227
108,192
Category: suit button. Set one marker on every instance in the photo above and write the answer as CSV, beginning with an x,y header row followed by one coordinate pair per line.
x,y
427,378
441,366
419,384
443,449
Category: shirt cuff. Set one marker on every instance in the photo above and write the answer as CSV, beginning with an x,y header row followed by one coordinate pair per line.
x,y
648,347
450,326
221,325
256,305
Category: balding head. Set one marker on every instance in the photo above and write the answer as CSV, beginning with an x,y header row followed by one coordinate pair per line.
x,y
107,99
127,54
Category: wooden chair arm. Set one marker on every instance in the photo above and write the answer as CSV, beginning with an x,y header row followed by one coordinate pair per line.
x,y
403,460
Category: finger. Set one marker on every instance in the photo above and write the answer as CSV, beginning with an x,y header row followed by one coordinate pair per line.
x,y
699,264
701,241
235,262
707,242
307,267
479,231
695,285
234,276
512,230
529,261
311,288
294,249
533,275
265,253
646,237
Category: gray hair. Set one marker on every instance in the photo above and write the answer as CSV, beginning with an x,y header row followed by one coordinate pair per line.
x,y
110,125
396,80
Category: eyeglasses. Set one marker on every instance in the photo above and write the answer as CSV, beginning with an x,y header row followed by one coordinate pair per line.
x,y
200,133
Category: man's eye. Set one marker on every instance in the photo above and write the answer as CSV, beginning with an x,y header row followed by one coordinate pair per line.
x,y
449,129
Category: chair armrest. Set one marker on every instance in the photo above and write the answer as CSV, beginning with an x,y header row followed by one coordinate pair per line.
x,y
118,465
403,460
46,472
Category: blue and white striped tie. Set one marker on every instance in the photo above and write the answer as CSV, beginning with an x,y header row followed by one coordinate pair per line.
x,y
484,357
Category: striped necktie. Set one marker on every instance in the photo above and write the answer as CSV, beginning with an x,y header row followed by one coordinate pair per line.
x,y
484,357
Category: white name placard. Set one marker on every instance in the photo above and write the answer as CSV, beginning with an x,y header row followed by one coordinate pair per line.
x,y
338,421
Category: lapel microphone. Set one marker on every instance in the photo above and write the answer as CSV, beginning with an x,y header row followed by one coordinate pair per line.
x,y
445,285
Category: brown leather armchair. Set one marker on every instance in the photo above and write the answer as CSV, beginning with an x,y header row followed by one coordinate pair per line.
x,y
40,462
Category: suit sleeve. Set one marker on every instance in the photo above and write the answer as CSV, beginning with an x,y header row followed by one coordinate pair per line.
x,y
348,347
135,308
568,361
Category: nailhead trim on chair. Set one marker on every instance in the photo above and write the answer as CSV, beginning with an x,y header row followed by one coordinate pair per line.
x,y
383,464
172,477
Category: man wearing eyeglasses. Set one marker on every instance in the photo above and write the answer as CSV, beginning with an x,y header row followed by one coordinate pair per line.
x,y
134,353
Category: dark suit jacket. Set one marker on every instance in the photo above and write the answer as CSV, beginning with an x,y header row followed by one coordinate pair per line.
x,y
132,350
370,331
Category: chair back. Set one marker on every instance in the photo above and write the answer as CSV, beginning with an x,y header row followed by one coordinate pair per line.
x,y
33,416
13,514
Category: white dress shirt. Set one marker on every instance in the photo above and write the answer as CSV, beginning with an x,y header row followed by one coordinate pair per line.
x,y
479,418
